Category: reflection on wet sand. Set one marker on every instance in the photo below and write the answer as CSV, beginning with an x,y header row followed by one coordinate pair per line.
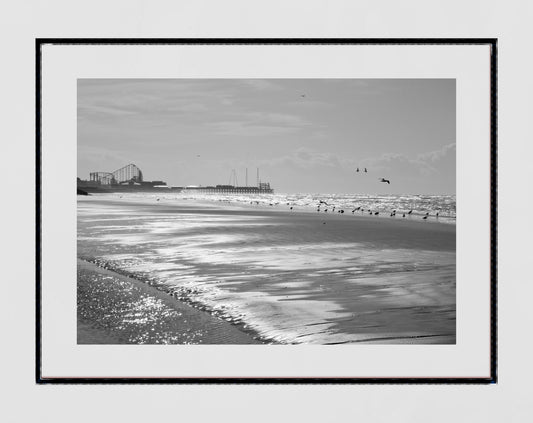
x,y
284,275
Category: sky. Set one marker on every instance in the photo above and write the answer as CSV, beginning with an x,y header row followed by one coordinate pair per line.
x,y
304,135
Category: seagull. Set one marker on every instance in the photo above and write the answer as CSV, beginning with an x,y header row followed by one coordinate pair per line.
x,y
384,180
425,217
357,170
323,202
376,213
365,170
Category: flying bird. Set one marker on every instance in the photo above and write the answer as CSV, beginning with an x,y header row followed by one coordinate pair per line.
x,y
384,180
323,202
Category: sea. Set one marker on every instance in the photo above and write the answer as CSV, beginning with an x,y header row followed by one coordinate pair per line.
x,y
283,280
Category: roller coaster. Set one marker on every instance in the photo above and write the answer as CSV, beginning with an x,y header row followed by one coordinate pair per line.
x,y
130,178
129,174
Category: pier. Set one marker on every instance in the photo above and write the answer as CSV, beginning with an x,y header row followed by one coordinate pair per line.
x,y
263,188
130,178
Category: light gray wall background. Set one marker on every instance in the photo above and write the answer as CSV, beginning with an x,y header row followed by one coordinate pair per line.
x,y
22,22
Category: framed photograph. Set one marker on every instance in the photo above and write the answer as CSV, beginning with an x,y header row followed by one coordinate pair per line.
x,y
266,211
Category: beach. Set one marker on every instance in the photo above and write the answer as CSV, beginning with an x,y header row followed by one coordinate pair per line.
x,y
115,309
254,273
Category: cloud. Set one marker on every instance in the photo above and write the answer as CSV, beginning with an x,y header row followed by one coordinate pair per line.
x,y
306,159
435,156
107,110
257,123
398,164
309,104
247,128
104,100
261,85
424,164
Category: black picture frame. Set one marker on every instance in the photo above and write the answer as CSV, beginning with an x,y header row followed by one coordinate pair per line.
x,y
491,42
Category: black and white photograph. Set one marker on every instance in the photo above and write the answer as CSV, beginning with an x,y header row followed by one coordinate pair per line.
x,y
266,211
302,211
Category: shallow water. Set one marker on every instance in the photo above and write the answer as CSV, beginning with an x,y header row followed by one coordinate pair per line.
x,y
418,205
288,276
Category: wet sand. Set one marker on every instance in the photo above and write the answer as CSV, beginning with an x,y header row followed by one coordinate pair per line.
x,y
287,275
116,309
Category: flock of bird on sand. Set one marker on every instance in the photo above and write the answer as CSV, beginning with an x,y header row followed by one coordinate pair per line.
x,y
361,209
370,212
341,211
357,209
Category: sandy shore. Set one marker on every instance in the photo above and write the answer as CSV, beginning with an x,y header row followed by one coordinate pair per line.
x,y
116,309
290,276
